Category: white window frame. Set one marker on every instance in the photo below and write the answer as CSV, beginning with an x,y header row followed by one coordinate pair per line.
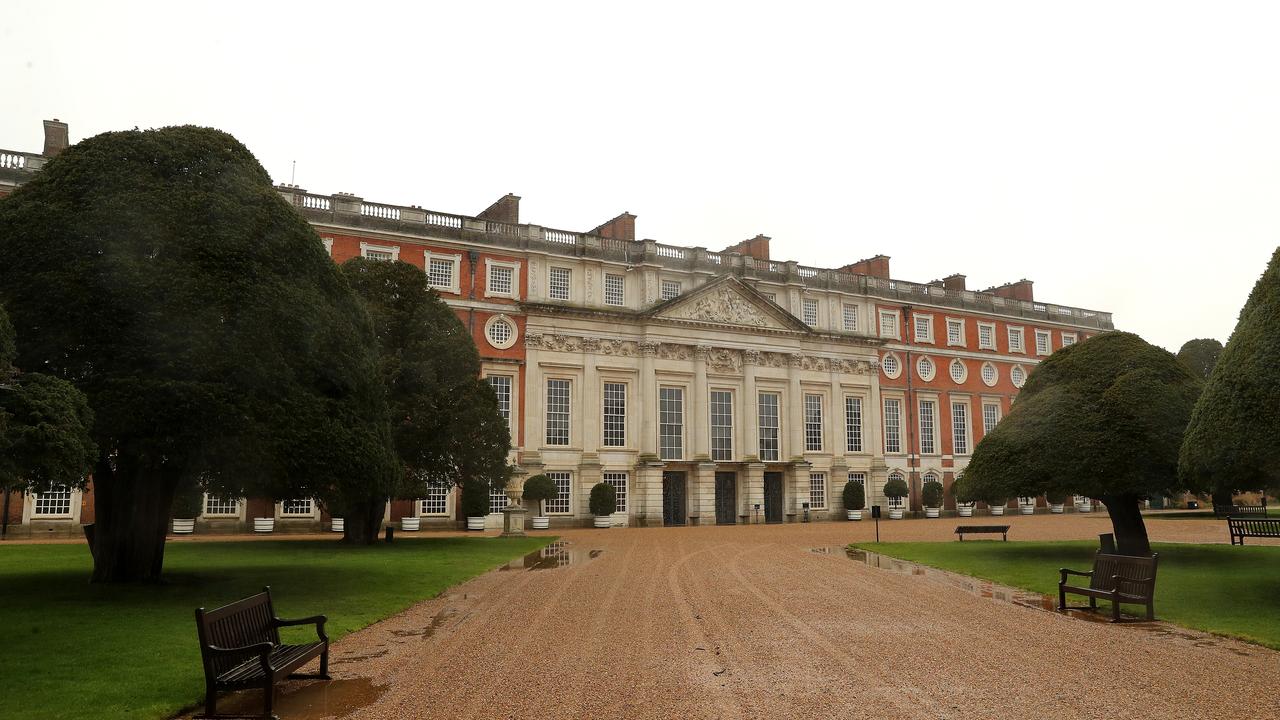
x,y
916,321
1047,336
929,373
568,412
961,438
995,378
810,311
892,425
999,410
622,289
1020,333
1068,338
720,454
1014,380
237,506
489,266
564,493
991,338
668,451
454,272
606,417
814,423
896,371
328,245
854,423
951,323
509,415
368,247
928,436
551,283
849,317
494,492
769,454
669,289
818,491
619,482
426,506
501,344
59,489
964,371
310,511
881,314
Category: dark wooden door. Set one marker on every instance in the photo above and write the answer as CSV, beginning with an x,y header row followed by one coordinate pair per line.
x,y
773,497
726,498
673,502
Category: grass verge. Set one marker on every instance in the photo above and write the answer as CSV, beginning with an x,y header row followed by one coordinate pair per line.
x,y
77,650
1217,588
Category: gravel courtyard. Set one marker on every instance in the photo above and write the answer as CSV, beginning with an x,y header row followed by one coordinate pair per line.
x,y
749,622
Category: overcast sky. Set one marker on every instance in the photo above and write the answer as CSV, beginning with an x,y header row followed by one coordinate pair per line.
x,y
1124,156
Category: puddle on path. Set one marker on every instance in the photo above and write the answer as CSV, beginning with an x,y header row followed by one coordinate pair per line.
x,y
558,554
430,629
315,700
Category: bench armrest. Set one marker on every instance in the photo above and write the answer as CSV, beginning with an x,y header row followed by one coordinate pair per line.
x,y
317,620
1064,572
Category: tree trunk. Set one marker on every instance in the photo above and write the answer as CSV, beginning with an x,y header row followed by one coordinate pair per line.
x,y
131,510
362,523
1127,524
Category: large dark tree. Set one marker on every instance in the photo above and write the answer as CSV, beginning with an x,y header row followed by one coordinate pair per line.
x,y
160,272
444,417
1232,443
1102,418
44,427
1200,355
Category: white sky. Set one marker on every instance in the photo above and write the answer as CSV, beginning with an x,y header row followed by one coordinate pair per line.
x,y
1124,156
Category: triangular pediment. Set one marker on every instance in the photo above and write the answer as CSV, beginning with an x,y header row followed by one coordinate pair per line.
x,y
728,302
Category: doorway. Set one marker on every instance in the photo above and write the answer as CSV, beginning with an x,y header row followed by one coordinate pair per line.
x,y
673,498
773,497
726,498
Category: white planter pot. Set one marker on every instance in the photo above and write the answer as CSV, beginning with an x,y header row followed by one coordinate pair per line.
x,y
184,527
1027,509
475,523
1057,508
410,524
1085,507
895,514
264,525
540,523
603,521
964,511
337,525
854,514
997,509
932,512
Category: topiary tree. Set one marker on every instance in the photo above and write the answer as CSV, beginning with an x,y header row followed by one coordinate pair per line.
x,y
539,488
1230,444
604,500
44,428
1056,497
187,502
1101,418
931,494
855,496
162,274
475,500
1200,356
896,488
445,423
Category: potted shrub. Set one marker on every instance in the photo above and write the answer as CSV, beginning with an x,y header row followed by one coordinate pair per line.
x,y
931,497
411,524
475,505
187,505
603,503
1027,505
1057,501
855,499
997,505
264,524
1084,504
895,488
337,525
539,488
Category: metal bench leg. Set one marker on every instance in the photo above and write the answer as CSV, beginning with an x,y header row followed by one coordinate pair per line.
x,y
1115,607
1062,598
268,695
210,699
324,664
1151,610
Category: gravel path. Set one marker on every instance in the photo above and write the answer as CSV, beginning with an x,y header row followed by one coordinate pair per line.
x,y
748,622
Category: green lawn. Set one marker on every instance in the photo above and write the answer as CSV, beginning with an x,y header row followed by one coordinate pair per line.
x,y
75,650
1217,588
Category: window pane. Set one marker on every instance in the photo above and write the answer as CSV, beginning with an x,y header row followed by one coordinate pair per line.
x,y
295,507
558,286
561,502
501,385
770,448
437,500
721,425
557,412
440,273
613,290
892,426
214,505
497,500
670,289
853,424
671,423
960,428
817,491
500,280
55,502
619,482
990,416
813,423
850,317
927,425
888,324
810,312
924,328
955,332
615,414
986,336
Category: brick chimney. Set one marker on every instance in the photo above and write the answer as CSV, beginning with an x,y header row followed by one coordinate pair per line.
x,y
877,266
622,227
1020,290
954,283
56,137
505,210
757,247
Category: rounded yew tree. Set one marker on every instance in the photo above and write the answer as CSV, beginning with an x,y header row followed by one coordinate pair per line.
x,y
854,495
1200,356
538,489
161,273
604,499
1232,443
1102,418
931,494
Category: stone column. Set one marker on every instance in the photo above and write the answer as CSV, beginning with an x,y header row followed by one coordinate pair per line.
x,y
534,397
590,417
755,493
795,409
839,442
648,399
750,406
699,421
704,493
649,493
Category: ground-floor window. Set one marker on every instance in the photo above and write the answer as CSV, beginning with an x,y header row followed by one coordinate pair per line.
x,y
437,500
497,500
561,502
55,503
297,508
619,482
817,491
214,505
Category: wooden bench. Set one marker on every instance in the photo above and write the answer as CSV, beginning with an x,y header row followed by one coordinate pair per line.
x,y
240,648
1226,511
1118,578
1241,528
983,529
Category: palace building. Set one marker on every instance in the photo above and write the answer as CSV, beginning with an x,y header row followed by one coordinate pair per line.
x,y
707,386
